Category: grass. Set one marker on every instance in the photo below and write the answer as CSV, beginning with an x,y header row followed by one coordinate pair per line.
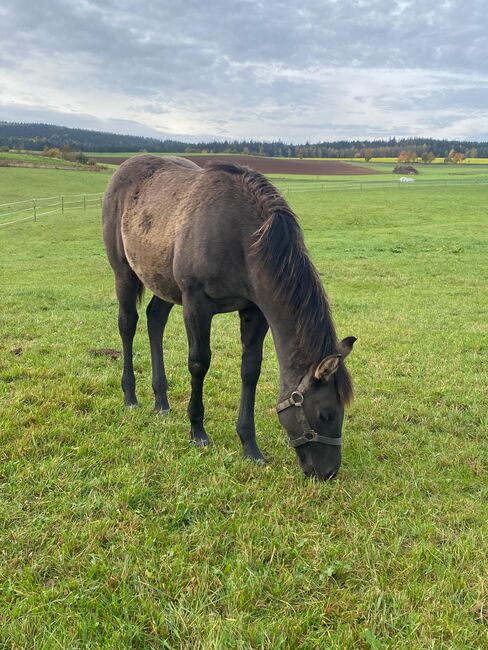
x,y
116,533
33,159
19,184
432,171
468,162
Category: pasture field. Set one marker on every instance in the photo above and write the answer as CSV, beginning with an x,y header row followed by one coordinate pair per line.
x,y
36,159
437,161
116,533
19,184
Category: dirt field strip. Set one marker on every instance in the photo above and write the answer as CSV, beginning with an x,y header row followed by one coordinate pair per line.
x,y
273,165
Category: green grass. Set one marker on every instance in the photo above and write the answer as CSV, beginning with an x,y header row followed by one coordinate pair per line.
x,y
116,533
38,159
19,184
432,171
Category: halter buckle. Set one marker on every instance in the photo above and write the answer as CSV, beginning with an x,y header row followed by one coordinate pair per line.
x,y
296,398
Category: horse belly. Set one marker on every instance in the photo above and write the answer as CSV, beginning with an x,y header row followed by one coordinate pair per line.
x,y
160,281
150,252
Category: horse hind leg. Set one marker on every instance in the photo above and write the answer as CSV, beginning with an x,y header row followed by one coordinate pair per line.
x,y
157,316
128,288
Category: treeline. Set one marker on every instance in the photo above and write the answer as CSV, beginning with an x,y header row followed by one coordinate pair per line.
x,y
40,136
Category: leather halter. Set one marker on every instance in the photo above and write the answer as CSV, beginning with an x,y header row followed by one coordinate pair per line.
x,y
308,434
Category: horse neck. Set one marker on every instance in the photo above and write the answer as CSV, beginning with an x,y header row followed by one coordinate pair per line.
x,y
284,328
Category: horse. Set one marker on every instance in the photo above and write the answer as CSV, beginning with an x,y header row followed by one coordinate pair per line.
x,y
220,239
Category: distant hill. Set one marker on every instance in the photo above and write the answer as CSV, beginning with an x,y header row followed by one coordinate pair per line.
x,y
37,136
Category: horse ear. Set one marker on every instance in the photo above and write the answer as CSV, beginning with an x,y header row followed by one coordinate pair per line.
x,y
345,346
327,367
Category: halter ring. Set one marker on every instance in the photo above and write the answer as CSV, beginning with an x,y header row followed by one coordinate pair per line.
x,y
296,398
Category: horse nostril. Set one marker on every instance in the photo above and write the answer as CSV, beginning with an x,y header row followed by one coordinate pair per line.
x,y
327,476
311,472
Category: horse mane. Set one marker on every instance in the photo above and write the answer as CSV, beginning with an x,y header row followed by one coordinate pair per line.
x,y
280,248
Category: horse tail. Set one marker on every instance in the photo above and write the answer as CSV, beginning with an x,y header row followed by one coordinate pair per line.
x,y
140,293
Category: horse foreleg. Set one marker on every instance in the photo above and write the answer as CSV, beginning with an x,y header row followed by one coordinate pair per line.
x,y
197,314
157,316
253,330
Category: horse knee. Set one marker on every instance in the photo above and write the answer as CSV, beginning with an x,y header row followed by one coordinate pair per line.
x,y
198,367
250,376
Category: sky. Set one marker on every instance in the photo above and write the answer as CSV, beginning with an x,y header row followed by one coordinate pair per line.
x,y
313,70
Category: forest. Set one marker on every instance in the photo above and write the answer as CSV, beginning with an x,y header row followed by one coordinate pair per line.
x,y
36,137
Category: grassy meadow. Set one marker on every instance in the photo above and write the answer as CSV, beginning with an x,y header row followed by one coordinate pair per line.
x,y
116,533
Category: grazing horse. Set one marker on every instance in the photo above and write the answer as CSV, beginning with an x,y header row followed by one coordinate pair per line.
x,y
224,239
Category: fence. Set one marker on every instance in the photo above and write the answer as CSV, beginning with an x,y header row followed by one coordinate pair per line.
x,y
34,209
289,187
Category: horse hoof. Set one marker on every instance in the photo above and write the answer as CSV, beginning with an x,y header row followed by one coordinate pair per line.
x,y
259,460
201,442
160,411
132,406
253,453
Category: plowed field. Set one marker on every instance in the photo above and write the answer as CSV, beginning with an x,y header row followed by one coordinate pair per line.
x,y
274,165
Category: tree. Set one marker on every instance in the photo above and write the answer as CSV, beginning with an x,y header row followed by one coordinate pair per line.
x,y
456,156
407,156
428,157
67,152
368,154
51,152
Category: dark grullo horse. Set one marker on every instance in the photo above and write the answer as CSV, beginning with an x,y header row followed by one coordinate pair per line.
x,y
223,239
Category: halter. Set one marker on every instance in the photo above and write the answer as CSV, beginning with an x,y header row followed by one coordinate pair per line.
x,y
308,434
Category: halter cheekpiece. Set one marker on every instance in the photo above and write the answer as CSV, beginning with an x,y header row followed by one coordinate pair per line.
x,y
308,434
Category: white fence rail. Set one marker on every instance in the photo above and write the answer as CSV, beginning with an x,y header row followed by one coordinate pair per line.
x,y
33,209
325,186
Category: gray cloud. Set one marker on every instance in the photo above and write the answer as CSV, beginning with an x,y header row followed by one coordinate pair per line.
x,y
250,68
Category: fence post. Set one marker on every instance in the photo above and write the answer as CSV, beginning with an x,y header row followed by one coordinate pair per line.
x,y
84,203
62,205
35,210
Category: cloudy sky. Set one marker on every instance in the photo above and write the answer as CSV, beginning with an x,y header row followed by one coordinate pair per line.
x,y
262,69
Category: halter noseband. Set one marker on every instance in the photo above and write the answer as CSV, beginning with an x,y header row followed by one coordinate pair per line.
x,y
308,434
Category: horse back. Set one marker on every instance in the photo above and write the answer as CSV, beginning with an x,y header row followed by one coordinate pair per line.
x,y
180,227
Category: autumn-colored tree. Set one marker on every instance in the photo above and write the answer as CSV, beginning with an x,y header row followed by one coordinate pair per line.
x,y
368,154
407,157
51,152
428,157
456,156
